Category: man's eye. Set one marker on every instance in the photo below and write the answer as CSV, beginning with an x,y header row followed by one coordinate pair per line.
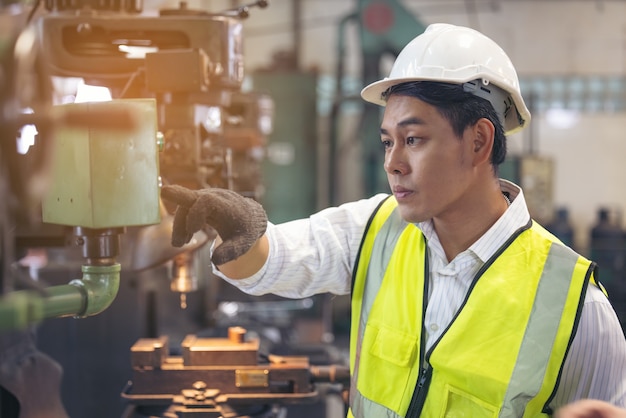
x,y
411,140
386,143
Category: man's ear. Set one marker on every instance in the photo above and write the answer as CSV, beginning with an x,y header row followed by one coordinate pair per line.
x,y
483,134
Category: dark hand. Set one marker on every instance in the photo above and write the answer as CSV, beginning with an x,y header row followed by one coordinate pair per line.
x,y
238,220
24,371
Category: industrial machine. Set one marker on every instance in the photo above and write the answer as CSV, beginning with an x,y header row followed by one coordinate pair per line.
x,y
79,174
190,61
178,115
220,377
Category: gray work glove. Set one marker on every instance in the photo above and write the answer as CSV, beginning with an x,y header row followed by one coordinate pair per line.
x,y
239,221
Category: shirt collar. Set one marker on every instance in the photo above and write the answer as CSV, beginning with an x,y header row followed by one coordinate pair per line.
x,y
515,217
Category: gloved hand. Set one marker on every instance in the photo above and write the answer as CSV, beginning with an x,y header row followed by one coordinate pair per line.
x,y
26,371
239,221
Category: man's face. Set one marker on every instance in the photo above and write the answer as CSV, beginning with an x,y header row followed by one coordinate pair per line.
x,y
428,167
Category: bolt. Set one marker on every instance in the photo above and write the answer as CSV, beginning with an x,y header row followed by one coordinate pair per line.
x,y
199,385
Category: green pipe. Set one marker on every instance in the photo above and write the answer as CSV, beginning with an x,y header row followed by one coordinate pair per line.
x,y
80,298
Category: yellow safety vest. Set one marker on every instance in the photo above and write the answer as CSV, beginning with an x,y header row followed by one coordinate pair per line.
x,y
503,352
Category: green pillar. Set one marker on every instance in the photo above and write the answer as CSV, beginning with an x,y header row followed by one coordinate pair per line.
x,y
290,166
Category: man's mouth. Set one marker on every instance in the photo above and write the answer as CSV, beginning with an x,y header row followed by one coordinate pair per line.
x,y
400,192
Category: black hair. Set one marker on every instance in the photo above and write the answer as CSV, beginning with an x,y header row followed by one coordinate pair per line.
x,y
462,109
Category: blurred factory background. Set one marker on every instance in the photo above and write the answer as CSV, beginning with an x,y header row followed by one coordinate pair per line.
x,y
263,98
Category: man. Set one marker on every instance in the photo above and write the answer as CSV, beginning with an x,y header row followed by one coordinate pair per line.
x,y
461,304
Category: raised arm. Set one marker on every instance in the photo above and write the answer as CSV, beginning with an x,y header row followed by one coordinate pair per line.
x,y
241,248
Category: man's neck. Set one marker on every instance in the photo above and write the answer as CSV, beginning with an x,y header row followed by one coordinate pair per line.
x,y
458,231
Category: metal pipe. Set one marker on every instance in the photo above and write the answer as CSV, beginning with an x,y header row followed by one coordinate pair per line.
x,y
296,28
99,285
80,298
336,108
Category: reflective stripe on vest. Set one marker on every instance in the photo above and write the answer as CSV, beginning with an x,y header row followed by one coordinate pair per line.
x,y
523,386
534,354
382,235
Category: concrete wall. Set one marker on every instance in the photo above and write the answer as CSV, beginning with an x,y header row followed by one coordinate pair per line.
x,y
589,166
548,36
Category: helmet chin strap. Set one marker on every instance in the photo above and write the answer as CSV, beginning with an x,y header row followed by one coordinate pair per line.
x,y
499,99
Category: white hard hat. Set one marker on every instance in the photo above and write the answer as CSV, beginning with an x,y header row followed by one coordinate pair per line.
x,y
459,55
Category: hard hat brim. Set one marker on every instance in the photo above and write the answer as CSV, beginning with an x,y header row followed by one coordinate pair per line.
x,y
373,93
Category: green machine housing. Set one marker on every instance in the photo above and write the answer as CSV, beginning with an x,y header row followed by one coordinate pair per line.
x,y
106,178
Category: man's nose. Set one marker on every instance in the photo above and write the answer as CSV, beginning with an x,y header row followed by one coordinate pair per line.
x,y
395,162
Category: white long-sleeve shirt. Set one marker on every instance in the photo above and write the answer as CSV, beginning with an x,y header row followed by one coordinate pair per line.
x,y
317,255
